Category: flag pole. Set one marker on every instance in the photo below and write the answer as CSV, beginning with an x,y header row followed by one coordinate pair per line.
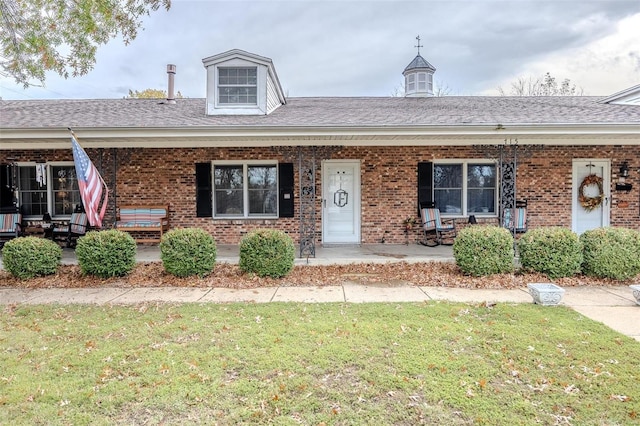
x,y
94,192
106,188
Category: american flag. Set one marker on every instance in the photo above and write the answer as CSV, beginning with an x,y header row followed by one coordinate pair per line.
x,y
90,184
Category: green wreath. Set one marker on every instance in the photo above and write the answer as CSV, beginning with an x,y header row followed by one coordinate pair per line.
x,y
590,203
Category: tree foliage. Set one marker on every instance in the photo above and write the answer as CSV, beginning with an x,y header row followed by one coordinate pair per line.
x,y
546,85
151,94
37,36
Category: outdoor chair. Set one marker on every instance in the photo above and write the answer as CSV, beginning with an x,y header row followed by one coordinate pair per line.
x,y
10,226
436,230
77,227
516,218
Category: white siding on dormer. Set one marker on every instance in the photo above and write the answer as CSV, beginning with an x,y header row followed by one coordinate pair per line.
x,y
273,101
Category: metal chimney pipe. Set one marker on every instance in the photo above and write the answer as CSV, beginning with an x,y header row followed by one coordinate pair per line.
x,y
171,72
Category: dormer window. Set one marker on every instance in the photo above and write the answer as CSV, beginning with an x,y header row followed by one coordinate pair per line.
x,y
242,83
237,86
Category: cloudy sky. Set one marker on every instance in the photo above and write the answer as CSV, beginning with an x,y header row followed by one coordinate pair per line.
x,y
360,47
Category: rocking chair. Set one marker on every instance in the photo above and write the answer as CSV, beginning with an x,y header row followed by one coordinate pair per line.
x,y
516,218
77,227
435,231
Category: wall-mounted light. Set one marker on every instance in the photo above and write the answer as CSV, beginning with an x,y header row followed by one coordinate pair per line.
x,y
622,184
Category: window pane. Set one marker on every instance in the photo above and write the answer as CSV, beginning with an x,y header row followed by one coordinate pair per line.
x,y
262,190
481,200
32,196
447,176
481,176
229,203
66,194
228,184
447,182
448,200
237,85
228,177
481,188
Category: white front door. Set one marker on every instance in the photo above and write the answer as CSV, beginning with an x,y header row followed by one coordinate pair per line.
x,y
341,202
582,218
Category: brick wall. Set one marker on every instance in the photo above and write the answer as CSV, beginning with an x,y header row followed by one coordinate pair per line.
x,y
388,184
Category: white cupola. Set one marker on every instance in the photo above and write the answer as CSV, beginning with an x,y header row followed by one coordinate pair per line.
x,y
418,76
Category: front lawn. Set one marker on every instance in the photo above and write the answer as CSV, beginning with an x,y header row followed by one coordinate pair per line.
x,y
332,364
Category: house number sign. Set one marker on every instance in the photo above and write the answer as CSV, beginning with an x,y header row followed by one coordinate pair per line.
x,y
340,197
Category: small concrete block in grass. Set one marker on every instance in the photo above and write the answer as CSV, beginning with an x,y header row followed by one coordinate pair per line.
x,y
635,288
545,294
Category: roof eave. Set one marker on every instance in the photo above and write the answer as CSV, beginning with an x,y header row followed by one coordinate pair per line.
x,y
549,134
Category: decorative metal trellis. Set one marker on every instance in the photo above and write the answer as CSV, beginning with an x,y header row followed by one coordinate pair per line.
x,y
506,156
307,185
307,159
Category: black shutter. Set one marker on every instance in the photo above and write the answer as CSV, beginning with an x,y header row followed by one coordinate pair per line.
x,y
285,197
6,194
425,185
203,190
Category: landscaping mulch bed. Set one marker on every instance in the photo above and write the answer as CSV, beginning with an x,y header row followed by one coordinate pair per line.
x,y
439,274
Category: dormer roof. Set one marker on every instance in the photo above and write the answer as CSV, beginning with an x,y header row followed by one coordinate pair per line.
x,y
630,96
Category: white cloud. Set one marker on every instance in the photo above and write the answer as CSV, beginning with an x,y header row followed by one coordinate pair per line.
x,y
601,67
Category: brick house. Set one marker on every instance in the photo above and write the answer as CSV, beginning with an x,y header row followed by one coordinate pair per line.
x,y
331,170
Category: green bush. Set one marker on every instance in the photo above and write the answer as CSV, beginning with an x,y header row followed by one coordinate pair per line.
x,y
554,251
28,257
105,254
267,253
186,252
484,250
611,253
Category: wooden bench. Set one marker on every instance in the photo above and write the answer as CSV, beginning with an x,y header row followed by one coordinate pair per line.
x,y
147,220
10,226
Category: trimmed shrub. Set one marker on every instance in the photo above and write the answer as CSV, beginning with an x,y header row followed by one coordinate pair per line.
x,y
611,253
28,257
187,252
554,251
484,250
105,254
267,253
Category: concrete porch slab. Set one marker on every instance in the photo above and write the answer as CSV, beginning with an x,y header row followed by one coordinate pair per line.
x,y
309,294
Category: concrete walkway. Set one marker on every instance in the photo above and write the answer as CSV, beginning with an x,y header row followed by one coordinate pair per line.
x,y
613,306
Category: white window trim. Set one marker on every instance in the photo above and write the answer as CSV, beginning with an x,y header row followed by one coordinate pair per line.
x,y
48,189
465,166
219,104
245,189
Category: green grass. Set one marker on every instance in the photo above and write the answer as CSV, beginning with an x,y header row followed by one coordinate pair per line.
x,y
333,364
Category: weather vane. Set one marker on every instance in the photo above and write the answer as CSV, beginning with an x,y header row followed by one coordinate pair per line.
x,y
419,45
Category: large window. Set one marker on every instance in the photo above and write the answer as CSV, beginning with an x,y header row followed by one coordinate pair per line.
x,y
465,188
237,86
51,188
245,190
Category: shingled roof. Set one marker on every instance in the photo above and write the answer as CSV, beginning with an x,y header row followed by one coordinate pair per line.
x,y
318,112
